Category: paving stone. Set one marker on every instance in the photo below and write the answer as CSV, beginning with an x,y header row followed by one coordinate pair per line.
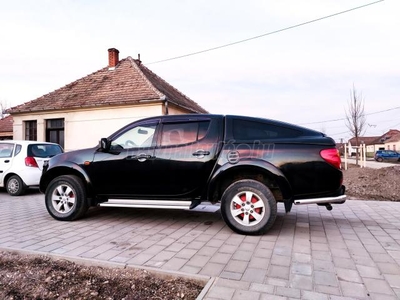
x,y
254,275
186,253
212,269
288,292
323,265
279,272
262,288
272,297
280,260
236,266
352,289
393,280
378,286
301,269
388,268
220,292
231,275
245,295
325,278
198,261
301,282
309,295
174,264
369,272
241,285
348,275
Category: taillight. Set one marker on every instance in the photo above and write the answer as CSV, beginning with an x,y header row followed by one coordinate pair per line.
x,y
31,162
332,157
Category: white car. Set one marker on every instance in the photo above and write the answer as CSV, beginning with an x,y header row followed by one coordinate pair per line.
x,y
21,163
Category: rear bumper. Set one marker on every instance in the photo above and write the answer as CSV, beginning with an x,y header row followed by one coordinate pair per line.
x,y
341,198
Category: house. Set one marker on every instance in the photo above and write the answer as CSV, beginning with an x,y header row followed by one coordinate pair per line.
x,y
393,143
80,113
372,143
6,128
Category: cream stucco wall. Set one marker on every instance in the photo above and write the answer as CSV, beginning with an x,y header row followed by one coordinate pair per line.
x,y
84,127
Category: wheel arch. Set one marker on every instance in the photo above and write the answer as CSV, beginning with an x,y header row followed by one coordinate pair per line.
x,y
257,170
71,169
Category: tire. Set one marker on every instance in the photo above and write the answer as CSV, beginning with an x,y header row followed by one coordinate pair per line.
x,y
379,159
15,186
66,198
248,207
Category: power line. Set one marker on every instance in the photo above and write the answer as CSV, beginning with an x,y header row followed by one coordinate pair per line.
x,y
265,34
342,119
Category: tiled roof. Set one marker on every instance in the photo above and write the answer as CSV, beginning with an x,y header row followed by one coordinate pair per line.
x,y
130,83
394,139
374,140
6,124
368,140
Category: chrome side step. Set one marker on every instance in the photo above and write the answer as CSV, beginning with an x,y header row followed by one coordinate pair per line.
x,y
327,200
165,204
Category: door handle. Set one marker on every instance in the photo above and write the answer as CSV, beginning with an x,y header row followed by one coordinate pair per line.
x,y
7,161
140,157
201,153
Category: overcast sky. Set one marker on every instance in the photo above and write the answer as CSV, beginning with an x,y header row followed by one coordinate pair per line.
x,y
302,75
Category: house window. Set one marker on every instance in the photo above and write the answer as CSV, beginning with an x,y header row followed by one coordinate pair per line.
x,y
55,131
31,130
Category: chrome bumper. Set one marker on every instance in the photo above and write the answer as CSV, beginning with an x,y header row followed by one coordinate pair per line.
x,y
327,200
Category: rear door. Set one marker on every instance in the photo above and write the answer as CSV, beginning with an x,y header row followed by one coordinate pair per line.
x,y
6,159
185,156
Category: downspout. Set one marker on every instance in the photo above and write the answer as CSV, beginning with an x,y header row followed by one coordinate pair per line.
x,y
165,99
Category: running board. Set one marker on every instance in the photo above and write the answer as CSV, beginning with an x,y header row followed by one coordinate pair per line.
x,y
165,204
328,200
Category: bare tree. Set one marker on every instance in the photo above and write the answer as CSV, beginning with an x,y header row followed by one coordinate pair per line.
x,y
3,108
355,117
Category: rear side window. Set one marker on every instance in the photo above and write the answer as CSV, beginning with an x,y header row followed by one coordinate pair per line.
x,y
252,130
44,150
183,133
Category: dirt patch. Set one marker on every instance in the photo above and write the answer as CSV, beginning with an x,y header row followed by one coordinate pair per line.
x,y
372,184
40,277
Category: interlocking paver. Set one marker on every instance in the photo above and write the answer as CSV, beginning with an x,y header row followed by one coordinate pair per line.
x,y
348,253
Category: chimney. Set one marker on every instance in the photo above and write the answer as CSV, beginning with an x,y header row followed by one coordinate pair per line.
x,y
112,58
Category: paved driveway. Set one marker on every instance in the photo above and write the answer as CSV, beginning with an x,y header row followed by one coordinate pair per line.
x,y
351,252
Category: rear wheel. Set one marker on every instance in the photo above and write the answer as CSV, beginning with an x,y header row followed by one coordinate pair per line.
x,y
380,159
66,198
248,207
15,186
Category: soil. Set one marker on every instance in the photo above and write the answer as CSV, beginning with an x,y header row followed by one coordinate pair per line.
x,y
40,277
372,184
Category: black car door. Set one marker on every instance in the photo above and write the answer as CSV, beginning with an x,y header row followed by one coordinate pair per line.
x,y
185,156
126,169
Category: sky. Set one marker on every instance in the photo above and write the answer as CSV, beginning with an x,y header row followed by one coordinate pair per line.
x,y
303,75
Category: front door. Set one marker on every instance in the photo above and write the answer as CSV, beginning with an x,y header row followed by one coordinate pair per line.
x,y
126,169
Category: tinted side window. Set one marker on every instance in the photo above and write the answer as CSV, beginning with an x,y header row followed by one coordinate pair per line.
x,y
183,133
251,130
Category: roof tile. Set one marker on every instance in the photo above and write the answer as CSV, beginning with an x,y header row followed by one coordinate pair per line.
x,y
129,83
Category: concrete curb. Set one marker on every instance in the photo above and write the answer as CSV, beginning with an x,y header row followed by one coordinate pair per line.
x,y
206,280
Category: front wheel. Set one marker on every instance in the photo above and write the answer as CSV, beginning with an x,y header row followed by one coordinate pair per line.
x,y
248,207
66,198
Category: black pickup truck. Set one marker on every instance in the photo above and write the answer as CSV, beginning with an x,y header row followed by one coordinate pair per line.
x,y
245,164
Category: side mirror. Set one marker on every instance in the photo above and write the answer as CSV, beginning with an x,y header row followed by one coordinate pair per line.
x,y
105,144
